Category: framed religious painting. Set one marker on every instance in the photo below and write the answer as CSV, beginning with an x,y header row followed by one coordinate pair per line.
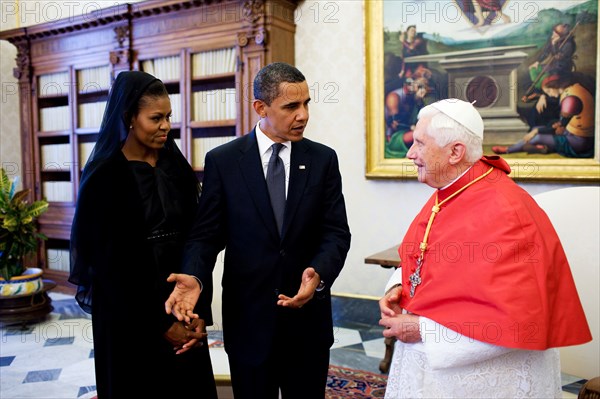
x,y
529,67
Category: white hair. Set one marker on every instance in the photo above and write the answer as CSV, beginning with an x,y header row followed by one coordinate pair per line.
x,y
445,130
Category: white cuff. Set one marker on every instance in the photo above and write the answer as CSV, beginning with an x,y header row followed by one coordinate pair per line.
x,y
447,348
395,279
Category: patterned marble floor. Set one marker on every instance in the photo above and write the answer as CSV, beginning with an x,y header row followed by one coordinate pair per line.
x,y
54,359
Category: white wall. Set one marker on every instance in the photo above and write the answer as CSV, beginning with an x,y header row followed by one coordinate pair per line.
x,y
578,230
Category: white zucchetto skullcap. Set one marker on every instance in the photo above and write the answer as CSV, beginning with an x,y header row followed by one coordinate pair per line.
x,y
462,112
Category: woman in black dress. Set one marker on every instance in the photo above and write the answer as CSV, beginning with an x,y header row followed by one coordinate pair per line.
x,y
137,197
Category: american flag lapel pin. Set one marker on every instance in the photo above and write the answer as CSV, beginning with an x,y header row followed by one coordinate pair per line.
x,y
301,167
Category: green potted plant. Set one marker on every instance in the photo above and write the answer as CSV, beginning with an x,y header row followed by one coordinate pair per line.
x,y
19,237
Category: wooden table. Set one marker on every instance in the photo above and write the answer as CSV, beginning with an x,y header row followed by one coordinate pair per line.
x,y
388,259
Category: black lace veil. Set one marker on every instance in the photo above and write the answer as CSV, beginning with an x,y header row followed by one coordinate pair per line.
x,y
123,99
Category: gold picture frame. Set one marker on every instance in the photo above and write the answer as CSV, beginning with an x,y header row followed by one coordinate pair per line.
x,y
379,167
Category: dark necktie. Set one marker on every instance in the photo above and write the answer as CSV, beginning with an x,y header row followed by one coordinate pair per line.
x,y
276,184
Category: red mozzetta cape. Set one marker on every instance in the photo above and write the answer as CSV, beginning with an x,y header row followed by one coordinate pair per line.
x,y
494,269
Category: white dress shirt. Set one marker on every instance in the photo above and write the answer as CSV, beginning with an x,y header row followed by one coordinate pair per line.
x,y
265,150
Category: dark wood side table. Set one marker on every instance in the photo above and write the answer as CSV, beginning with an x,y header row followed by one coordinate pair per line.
x,y
388,259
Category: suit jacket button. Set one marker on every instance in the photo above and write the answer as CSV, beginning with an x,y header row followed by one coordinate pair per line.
x,y
282,252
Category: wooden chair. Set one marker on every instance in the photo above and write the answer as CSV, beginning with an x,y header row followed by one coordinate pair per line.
x,y
590,390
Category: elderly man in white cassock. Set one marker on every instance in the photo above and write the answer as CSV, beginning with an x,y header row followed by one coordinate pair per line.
x,y
484,294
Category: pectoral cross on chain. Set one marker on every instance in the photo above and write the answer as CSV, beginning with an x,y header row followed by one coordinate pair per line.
x,y
415,278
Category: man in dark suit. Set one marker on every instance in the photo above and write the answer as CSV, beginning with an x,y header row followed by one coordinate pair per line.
x,y
278,270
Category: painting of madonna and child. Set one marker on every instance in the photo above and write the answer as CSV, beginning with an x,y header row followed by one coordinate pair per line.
x,y
528,66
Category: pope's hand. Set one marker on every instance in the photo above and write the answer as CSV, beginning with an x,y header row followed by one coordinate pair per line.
x,y
389,305
405,327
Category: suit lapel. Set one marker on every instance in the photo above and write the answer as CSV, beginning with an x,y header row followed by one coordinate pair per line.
x,y
299,170
251,169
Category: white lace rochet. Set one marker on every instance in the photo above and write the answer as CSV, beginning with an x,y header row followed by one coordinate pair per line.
x,y
449,365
